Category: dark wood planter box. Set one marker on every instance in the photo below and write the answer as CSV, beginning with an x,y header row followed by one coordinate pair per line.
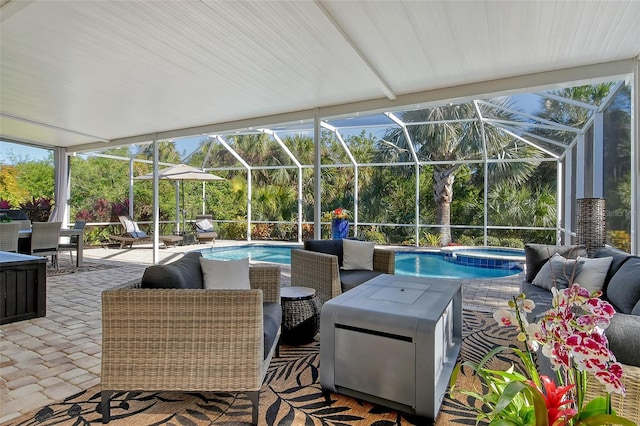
x,y
23,287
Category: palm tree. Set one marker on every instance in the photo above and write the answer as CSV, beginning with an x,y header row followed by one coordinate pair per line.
x,y
454,133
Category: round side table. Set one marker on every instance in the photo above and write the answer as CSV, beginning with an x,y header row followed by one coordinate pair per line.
x,y
300,315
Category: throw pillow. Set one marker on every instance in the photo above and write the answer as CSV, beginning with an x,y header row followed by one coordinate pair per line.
x,y
593,272
204,225
357,255
225,274
557,272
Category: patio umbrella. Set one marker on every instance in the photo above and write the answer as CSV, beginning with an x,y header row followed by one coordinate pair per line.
x,y
181,172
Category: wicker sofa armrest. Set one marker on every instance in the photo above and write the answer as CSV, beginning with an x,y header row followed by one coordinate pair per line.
x,y
624,405
384,261
316,270
182,339
267,279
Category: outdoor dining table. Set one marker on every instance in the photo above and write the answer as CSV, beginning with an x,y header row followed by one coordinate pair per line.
x,y
24,243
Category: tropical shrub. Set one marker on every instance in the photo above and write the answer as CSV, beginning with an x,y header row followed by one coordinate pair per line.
x,y
233,230
620,239
466,240
511,242
373,235
38,210
261,231
432,239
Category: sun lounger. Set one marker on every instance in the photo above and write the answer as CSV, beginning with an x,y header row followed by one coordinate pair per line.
x,y
132,233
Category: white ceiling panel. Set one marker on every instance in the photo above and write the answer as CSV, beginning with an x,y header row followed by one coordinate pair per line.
x,y
75,72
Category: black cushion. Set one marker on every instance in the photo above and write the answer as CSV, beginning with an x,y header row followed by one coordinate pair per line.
x,y
353,278
624,288
272,317
183,273
333,247
15,214
537,255
619,257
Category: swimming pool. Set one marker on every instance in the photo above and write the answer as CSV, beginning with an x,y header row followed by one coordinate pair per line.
x,y
414,263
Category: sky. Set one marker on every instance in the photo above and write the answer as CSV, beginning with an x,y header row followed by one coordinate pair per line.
x,y
13,151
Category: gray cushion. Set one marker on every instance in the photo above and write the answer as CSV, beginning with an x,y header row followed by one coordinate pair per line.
x,y
536,255
540,296
622,334
353,278
624,288
333,247
272,317
183,273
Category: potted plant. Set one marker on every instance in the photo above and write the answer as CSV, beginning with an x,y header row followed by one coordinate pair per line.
x,y
339,223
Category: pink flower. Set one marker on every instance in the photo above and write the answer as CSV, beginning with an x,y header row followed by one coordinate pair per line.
x,y
599,307
612,384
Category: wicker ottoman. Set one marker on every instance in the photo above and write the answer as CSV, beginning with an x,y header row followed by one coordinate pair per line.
x,y
300,315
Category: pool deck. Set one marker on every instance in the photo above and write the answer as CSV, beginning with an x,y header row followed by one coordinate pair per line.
x,y
48,359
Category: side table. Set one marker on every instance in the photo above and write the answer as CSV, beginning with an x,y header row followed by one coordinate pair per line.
x,y
300,315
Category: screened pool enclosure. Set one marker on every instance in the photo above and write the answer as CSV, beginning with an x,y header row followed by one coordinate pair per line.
x,y
487,171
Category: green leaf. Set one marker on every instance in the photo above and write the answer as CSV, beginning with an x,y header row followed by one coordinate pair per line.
x,y
503,422
604,419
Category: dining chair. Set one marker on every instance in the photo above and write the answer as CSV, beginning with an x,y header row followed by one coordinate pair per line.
x,y
9,234
73,240
44,240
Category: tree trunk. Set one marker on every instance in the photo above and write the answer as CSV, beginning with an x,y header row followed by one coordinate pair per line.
x,y
443,194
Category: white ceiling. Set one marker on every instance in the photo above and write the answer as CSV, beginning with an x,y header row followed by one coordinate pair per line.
x,y
73,73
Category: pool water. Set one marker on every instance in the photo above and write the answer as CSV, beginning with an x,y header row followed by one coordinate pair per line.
x,y
275,254
434,265
422,264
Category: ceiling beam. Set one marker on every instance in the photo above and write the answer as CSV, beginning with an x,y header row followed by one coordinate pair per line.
x,y
568,77
384,85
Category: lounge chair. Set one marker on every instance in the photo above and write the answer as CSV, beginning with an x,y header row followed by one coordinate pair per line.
x,y
204,229
132,233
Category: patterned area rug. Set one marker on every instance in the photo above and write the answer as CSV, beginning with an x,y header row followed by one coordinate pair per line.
x,y
291,395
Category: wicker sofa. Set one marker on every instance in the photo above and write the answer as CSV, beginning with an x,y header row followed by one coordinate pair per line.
x,y
189,338
319,265
623,333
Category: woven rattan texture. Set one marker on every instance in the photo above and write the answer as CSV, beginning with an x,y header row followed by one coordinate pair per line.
x,y
181,339
320,271
591,224
294,312
627,406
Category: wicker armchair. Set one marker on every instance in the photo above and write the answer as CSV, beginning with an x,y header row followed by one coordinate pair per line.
x,y
321,271
187,339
